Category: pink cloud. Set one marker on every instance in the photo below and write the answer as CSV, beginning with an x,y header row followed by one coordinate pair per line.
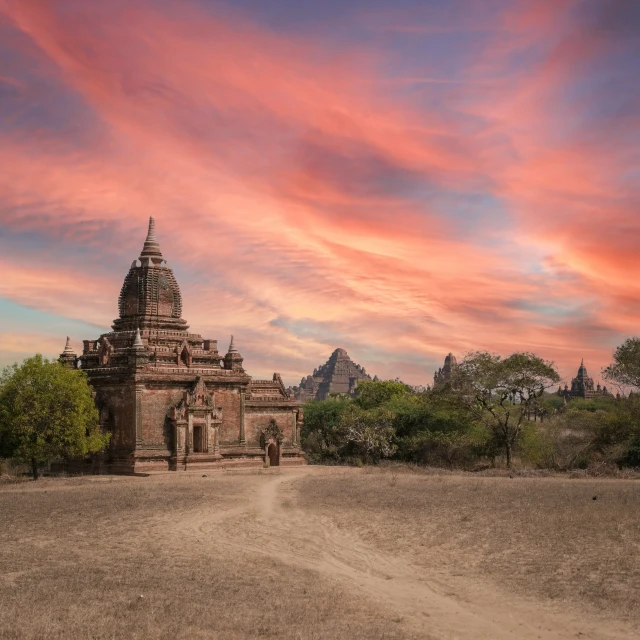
x,y
293,188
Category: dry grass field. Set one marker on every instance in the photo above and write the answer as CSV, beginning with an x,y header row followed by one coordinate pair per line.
x,y
545,540
319,553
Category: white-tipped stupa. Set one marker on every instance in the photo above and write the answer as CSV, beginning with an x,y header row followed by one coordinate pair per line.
x,y
137,343
68,349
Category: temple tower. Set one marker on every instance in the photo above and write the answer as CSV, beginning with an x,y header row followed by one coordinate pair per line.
x,y
150,297
445,373
168,397
583,386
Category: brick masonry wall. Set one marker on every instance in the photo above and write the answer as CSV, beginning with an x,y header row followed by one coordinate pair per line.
x,y
155,400
255,421
121,411
155,405
229,400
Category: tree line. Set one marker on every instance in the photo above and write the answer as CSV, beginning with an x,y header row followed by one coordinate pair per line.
x,y
481,415
492,410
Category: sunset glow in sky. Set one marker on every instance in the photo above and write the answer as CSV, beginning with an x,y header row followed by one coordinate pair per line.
x,y
401,179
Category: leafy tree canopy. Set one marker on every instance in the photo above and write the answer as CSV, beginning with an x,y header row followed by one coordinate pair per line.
x,y
625,368
47,412
503,390
369,431
370,394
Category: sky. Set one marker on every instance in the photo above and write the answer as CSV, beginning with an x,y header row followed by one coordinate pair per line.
x,y
398,178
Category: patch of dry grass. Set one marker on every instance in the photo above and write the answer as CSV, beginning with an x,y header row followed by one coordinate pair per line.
x,y
541,537
102,558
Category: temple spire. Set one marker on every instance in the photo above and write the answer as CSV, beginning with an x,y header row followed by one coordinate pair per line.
x,y
68,356
151,247
68,349
233,360
582,371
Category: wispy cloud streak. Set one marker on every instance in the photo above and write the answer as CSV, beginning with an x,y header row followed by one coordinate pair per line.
x,y
420,186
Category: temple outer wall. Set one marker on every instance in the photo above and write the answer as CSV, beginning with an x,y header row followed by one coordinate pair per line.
x,y
256,420
229,400
136,413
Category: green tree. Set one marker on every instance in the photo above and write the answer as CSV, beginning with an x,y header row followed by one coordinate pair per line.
x,y
47,412
503,391
618,433
370,393
322,433
432,426
550,403
625,368
369,431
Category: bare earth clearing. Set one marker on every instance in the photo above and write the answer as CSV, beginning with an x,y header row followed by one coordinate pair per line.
x,y
320,553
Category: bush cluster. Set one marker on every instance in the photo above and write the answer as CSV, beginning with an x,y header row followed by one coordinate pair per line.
x,y
439,427
391,420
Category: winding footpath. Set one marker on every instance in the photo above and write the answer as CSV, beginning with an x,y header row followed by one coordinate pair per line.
x,y
272,523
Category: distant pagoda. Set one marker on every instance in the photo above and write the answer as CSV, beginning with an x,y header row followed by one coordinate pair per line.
x,y
339,374
583,386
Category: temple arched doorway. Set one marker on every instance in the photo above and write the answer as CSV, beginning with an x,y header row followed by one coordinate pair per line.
x,y
274,458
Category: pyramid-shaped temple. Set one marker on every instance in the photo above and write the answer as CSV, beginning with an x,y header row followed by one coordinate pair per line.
x,y
339,374
168,397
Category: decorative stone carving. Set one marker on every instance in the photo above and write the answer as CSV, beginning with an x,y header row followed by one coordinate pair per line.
x,y
184,354
196,413
271,433
199,396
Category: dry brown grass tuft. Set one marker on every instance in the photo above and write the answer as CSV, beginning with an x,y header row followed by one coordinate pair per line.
x,y
569,541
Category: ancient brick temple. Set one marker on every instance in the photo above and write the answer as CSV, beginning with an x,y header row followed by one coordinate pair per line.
x,y
169,398
583,386
339,374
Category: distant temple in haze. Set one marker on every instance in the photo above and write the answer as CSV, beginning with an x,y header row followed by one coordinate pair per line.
x,y
443,374
339,374
582,386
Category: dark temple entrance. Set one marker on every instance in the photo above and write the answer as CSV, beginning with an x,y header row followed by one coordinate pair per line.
x,y
197,439
274,458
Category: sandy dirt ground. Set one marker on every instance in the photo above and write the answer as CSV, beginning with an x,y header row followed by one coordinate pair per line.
x,y
244,554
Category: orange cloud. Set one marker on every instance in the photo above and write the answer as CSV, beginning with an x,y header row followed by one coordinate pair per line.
x,y
306,202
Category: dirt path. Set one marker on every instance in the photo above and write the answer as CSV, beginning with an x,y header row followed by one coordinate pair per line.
x,y
271,523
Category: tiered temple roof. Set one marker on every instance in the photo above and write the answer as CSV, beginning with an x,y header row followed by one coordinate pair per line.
x,y
150,315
